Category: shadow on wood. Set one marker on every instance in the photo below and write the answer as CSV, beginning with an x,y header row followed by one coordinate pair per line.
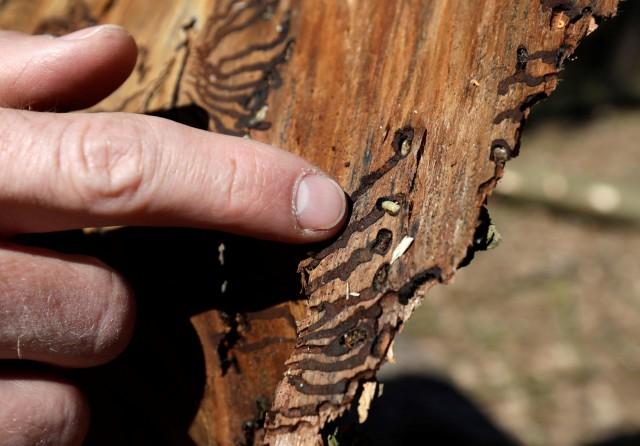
x,y
152,393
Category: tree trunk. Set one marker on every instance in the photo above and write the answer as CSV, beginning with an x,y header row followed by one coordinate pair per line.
x,y
414,105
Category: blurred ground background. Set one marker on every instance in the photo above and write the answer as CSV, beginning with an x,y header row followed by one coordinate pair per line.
x,y
538,341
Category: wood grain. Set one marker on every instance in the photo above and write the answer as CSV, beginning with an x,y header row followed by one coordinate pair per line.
x,y
418,102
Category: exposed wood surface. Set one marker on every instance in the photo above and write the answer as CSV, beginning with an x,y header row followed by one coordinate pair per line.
x,y
414,102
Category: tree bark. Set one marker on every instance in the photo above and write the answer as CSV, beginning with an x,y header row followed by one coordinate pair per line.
x,y
414,106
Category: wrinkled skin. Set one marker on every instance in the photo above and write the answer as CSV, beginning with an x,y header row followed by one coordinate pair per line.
x,y
73,170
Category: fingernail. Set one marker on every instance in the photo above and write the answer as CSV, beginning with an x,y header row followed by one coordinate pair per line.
x,y
320,203
85,33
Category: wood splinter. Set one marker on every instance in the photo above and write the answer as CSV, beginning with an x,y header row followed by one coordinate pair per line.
x,y
390,207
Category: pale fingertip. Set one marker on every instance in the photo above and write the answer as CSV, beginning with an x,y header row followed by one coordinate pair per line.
x,y
319,204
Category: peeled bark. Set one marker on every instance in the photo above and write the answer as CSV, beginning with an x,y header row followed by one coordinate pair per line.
x,y
415,106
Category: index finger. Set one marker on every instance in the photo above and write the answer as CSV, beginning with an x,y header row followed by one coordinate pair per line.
x,y
79,170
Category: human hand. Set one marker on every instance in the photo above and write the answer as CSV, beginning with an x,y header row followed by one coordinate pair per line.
x,y
63,171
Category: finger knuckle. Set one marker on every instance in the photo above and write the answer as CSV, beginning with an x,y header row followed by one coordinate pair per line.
x,y
242,185
69,415
108,161
115,320
43,412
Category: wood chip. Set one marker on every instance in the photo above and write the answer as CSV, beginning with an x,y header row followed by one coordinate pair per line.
x,y
405,147
401,248
100,230
364,403
391,359
391,207
261,115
